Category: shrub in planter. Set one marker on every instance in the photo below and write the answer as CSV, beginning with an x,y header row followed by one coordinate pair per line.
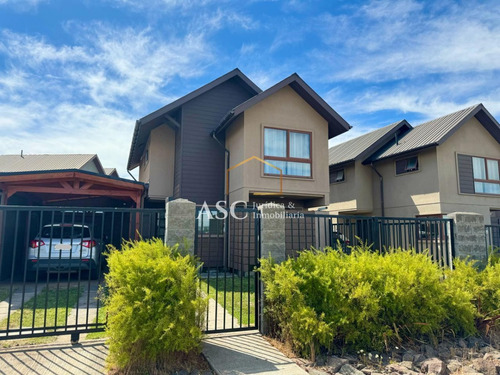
x,y
482,289
365,300
154,303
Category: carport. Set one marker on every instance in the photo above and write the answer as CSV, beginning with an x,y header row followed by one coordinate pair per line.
x,y
69,188
35,198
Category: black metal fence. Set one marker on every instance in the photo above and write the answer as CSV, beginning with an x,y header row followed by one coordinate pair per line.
x,y
492,238
229,249
51,265
305,230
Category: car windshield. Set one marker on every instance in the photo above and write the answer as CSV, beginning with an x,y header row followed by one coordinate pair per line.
x,y
69,231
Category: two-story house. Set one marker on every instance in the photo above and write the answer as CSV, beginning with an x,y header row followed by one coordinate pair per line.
x,y
231,140
445,165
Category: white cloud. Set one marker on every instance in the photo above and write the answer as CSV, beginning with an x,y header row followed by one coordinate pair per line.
x,y
22,5
163,5
84,97
126,67
391,41
222,18
422,99
67,128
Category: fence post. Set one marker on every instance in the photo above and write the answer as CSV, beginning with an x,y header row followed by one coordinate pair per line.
x,y
272,243
180,223
469,235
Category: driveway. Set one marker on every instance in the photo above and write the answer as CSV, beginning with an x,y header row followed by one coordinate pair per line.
x,y
87,358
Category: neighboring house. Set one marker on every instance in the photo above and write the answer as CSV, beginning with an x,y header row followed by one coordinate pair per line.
x,y
53,162
184,149
64,179
445,165
111,172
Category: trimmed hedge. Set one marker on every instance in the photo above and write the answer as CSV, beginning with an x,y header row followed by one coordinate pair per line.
x,y
367,300
154,303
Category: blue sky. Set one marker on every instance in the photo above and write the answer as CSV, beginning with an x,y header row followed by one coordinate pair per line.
x,y
75,75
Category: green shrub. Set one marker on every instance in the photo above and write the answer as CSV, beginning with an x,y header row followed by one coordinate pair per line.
x,y
462,288
153,302
489,296
493,255
365,300
481,287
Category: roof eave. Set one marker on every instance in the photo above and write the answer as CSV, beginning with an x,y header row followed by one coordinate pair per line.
x,y
342,163
400,154
131,164
336,124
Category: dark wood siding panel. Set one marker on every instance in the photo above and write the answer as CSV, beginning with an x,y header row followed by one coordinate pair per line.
x,y
178,162
465,174
203,160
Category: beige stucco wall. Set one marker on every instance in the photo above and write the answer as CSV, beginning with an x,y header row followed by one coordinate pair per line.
x,y
159,170
408,194
471,139
235,143
354,194
284,109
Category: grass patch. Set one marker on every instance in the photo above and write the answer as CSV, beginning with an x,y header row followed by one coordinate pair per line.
x,y
24,342
49,300
102,319
239,294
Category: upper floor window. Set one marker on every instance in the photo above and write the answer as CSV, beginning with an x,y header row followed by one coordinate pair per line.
x,y
289,150
486,175
337,176
407,165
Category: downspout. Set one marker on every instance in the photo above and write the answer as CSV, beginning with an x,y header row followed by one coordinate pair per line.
x,y
381,180
226,234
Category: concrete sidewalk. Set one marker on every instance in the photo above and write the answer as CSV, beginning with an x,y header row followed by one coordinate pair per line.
x,y
86,358
246,352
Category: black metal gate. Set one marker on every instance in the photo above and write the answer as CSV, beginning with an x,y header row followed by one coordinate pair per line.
x,y
228,248
492,238
51,265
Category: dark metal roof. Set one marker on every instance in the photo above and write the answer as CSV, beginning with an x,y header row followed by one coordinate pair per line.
x,y
144,126
336,124
435,132
365,145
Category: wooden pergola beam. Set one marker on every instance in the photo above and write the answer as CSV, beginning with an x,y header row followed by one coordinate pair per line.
x,y
65,176
74,183
71,191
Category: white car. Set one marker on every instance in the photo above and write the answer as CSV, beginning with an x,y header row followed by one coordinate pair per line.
x,y
64,248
